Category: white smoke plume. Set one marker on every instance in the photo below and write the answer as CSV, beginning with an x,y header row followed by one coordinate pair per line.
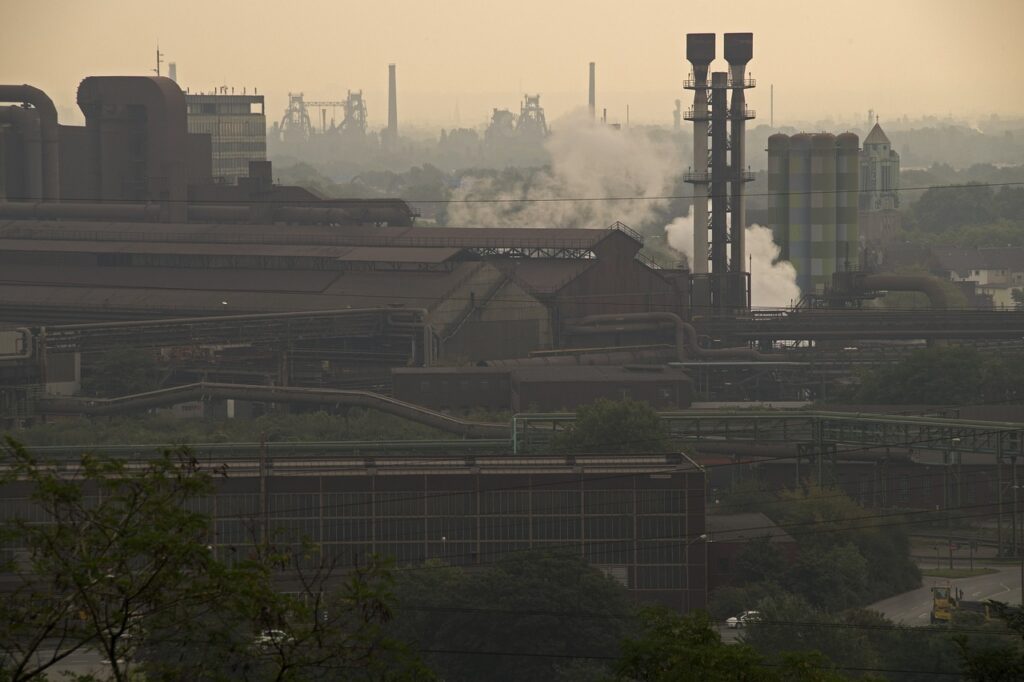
x,y
588,161
772,281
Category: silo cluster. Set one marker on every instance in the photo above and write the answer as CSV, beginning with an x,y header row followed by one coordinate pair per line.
x,y
813,183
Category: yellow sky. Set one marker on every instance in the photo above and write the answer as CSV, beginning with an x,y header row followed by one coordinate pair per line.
x,y
825,58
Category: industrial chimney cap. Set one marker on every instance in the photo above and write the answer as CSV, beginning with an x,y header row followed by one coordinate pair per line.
x,y
739,47
700,48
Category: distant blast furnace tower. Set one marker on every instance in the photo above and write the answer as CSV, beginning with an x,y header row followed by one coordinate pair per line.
x,y
719,171
392,130
592,100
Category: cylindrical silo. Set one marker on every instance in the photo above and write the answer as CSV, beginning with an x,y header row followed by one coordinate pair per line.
x,y
847,191
778,190
800,208
823,209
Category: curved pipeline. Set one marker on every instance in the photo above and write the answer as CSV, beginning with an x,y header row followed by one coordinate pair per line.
x,y
600,358
274,394
26,121
80,211
48,133
926,284
685,335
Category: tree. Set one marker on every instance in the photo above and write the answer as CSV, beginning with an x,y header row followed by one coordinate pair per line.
x,y
615,426
110,556
528,615
942,208
92,560
944,375
672,647
122,371
987,662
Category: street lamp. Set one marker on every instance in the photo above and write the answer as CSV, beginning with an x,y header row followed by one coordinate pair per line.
x,y
954,443
686,564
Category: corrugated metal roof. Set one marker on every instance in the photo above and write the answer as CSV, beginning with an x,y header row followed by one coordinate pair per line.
x,y
179,248
349,289
457,237
307,281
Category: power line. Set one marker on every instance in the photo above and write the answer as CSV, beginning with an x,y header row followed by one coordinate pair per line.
x,y
340,202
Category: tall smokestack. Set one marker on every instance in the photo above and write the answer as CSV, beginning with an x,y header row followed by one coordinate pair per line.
x,y
739,49
700,52
172,71
392,105
592,101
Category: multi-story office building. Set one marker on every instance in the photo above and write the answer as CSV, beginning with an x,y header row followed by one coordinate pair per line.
x,y
237,127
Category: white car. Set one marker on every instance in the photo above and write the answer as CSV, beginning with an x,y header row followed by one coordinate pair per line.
x,y
743,619
269,640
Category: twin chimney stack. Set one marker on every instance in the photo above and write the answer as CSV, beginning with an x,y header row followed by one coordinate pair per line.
x,y
719,171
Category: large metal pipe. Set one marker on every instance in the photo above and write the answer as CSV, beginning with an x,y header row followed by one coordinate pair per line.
x,y
929,286
687,344
275,394
605,359
34,210
26,121
26,94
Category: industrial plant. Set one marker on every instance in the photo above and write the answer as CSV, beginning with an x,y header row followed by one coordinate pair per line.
x,y
158,227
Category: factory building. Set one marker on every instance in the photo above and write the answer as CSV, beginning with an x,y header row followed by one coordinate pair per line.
x,y
813,187
880,188
136,161
640,519
237,127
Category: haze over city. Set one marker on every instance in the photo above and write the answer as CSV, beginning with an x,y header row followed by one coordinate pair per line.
x,y
458,59
479,342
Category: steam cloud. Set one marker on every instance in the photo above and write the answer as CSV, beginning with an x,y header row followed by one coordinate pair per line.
x,y
592,161
772,281
587,161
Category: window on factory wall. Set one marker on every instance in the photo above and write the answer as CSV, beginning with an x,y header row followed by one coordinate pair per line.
x,y
903,489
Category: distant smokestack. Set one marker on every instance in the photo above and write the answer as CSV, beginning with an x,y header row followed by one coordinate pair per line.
x,y
592,101
392,105
172,71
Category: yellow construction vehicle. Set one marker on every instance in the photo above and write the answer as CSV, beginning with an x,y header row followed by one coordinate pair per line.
x,y
947,600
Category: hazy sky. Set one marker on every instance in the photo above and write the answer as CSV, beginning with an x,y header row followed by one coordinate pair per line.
x,y
463,57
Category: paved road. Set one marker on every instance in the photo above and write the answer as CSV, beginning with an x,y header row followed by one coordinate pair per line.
x,y
83,662
914,607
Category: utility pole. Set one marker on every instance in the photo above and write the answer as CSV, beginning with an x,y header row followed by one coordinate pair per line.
x,y
159,56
